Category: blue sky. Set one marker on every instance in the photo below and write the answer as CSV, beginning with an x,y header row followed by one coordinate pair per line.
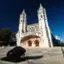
x,y
11,9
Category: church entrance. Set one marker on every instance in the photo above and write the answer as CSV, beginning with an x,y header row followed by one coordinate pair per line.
x,y
31,41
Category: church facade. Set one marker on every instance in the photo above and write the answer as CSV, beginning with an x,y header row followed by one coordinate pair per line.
x,y
34,35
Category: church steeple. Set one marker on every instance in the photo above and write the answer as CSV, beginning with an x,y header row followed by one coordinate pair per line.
x,y
23,21
23,12
41,6
42,25
23,15
40,12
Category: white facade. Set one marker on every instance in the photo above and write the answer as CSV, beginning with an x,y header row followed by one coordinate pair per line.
x,y
34,35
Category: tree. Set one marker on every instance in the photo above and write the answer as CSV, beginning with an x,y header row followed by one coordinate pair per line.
x,y
5,34
12,40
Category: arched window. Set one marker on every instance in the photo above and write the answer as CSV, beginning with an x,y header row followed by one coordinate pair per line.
x,y
29,43
41,16
36,43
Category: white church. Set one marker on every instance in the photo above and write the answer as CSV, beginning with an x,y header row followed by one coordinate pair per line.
x,y
34,35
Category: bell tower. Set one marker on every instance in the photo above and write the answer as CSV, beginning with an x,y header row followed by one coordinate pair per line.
x,y
43,27
22,27
22,22
48,30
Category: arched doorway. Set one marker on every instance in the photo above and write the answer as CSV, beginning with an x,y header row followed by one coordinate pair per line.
x,y
29,43
36,43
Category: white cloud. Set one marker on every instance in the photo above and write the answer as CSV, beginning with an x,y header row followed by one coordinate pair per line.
x,y
57,37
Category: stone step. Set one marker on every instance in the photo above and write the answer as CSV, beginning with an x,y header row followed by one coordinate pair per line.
x,y
45,52
47,60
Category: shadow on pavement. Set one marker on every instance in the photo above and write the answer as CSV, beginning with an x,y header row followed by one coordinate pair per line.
x,y
20,59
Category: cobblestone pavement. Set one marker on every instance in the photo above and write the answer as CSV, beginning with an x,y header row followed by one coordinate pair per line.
x,y
49,56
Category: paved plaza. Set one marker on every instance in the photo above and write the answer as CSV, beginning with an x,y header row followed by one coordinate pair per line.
x,y
37,56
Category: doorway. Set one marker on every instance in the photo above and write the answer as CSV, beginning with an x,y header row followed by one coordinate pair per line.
x,y
36,43
29,43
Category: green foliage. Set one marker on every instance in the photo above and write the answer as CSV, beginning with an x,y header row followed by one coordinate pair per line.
x,y
5,34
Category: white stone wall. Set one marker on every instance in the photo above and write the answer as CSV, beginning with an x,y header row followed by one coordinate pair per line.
x,y
32,27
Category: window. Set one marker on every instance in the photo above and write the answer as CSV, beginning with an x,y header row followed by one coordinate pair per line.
x,y
36,43
29,43
41,16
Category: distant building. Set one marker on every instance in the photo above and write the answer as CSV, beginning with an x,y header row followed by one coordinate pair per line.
x,y
34,35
